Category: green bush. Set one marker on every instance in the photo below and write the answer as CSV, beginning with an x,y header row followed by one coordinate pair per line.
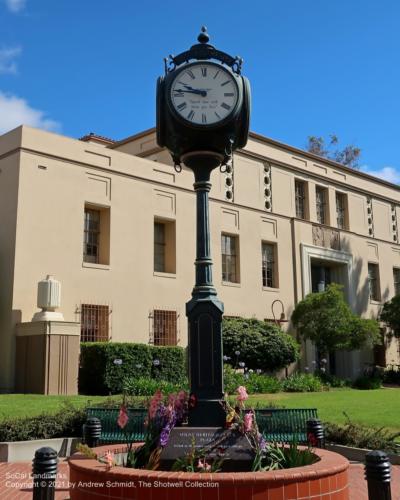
x,y
65,423
148,386
333,380
391,376
98,374
261,345
172,365
255,383
360,436
302,382
366,383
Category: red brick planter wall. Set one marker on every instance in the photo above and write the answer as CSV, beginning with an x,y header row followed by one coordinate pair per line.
x,y
325,480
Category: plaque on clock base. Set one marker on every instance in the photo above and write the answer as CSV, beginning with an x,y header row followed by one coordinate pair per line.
x,y
233,447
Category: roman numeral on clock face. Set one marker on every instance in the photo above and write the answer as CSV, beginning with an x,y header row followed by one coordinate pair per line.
x,y
182,106
225,83
204,71
204,118
191,74
225,106
179,94
190,115
229,94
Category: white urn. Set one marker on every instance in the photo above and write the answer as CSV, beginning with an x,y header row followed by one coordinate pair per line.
x,y
48,299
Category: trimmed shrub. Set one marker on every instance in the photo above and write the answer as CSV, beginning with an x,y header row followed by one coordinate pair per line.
x,y
65,423
261,345
148,386
98,374
333,380
172,365
302,382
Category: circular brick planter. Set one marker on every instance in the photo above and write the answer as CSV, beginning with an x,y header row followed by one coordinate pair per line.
x,y
325,480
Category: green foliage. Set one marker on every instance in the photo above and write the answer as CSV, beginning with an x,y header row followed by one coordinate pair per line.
x,y
262,345
254,382
302,382
333,380
391,376
98,374
65,423
327,320
282,456
172,365
145,386
348,156
366,383
391,315
361,436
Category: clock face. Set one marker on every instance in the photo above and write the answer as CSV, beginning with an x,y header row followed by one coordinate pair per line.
x,y
204,94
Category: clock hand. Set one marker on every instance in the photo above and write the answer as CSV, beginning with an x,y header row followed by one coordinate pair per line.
x,y
203,93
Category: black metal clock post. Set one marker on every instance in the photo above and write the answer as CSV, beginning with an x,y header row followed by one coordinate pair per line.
x,y
202,122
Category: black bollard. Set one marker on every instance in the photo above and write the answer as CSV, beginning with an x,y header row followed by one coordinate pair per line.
x,y
378,475
315,433
92,432
44,471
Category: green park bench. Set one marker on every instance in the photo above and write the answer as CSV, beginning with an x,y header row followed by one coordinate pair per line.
x,y
275,424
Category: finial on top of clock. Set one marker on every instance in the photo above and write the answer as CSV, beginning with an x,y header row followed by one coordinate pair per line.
x,y
203,37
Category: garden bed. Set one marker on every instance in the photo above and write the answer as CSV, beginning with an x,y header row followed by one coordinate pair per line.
x,y
326,479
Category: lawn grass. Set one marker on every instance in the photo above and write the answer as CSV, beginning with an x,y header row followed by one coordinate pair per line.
x,y
375,408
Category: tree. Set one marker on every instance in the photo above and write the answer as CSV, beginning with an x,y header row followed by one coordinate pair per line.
x,y
260,345
327,320
348,156
391,315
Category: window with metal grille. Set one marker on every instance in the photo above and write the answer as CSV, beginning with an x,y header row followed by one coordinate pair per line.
x,y
300,192
230,268
320,198
396,280
268,265
373,281
91,236
164,329
159,247
341,210
94,323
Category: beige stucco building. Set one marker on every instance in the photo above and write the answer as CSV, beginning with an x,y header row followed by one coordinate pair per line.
x,y
114,223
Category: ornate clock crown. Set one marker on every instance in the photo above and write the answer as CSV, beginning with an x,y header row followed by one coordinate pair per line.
x,y
203,51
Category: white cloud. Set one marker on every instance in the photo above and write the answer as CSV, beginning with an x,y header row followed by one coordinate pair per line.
x,y
389,174
7,62
15,5
15,111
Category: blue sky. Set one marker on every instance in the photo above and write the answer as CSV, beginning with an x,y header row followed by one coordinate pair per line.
x,y
316,67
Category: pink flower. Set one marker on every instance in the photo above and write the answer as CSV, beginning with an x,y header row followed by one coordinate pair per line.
x,y
242,393
110,458
248,421
154,402
203,465
123,417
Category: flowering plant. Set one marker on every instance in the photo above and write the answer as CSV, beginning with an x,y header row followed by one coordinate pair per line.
x,y
162,416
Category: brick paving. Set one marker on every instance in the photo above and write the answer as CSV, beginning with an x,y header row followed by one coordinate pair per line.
x,y
16,483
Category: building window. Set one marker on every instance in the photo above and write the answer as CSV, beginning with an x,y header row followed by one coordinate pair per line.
x,y
301,201
341,210
164,246
268,265
94,323
230,258
396,280
96,235
164,329
320,198
373,280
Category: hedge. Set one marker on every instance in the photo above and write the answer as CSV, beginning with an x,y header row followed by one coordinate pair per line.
x,y
98,374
